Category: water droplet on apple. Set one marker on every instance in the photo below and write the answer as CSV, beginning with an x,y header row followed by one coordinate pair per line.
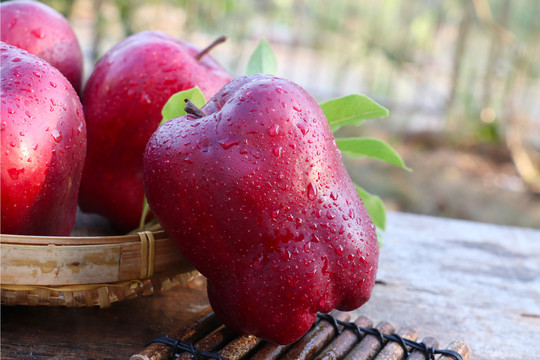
x,y
277,151
339,250
228,143
261,260
363,260
38,32
12,23
14,173
16,59
12,143
34,146
53,84
144,98
325,265
292,281
312,191
333,195
57,135
170,81
11,110
303,128
37,74
297,109
274,130
285,253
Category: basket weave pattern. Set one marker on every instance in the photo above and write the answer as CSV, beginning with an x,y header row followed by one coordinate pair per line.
x,y
89,271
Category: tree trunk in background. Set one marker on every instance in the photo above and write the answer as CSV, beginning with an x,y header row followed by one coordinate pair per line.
x,y
522,155
461,42
494,54
98,30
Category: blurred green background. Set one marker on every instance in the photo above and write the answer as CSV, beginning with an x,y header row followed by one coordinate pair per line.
x,y
461,79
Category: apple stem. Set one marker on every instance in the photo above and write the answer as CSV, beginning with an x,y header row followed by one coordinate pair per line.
x,y
192,109
205,51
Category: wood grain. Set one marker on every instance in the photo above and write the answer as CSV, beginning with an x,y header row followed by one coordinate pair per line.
x,y
40,333
343,343
315,340
461,280
370,345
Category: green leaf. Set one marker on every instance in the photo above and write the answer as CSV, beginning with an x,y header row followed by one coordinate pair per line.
x,y
370,147
374,206
174,107
351,110
262,60
379,237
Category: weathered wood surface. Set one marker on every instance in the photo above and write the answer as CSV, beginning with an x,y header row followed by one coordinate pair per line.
x,y
449,279
460,280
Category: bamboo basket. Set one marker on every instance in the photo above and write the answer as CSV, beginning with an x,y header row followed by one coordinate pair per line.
x,y
89,271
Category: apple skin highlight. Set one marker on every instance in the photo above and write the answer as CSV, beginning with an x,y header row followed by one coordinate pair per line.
x,y
43,146
44,32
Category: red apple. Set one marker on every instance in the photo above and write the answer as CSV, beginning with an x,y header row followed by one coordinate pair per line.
x,y
43,31
122,101
43,146
253,189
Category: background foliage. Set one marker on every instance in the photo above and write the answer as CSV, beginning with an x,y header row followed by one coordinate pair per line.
x,y
461,79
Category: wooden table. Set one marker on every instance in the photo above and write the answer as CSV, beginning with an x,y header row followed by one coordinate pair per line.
x,y
454,280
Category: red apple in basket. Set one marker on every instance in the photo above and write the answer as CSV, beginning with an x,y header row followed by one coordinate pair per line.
x,y
253,189
122,101
43,146
43,31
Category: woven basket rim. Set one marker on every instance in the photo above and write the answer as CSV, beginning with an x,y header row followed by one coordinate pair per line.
x,y
88,270
76,240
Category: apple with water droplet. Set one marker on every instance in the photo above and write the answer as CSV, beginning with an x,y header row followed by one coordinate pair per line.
x,y
122,101
43,31
253,189
43,146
